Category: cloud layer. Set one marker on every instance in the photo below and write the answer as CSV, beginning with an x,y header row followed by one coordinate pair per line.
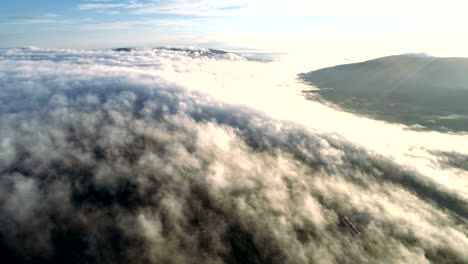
x,y
277,8
121,157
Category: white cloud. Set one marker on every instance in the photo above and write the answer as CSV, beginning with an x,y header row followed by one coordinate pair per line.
x,y
53,15
100,6
288,8
164,148
48,18
39,21
128,24
188,7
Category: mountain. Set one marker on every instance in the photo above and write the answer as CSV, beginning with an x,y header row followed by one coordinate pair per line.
x,y
411,89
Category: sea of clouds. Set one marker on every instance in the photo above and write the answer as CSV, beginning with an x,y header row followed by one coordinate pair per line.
x,y
184,156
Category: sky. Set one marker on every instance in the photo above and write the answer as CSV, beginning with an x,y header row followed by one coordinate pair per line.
x,y
344,28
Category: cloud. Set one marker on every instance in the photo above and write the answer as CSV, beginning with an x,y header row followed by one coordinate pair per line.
x,y
48,18
188,7
133,23
177,7
124,157
453,159
100,6
51,15
39,21
281,8
233,7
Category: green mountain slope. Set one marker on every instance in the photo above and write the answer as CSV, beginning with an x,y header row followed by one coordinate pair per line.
x,y
409,89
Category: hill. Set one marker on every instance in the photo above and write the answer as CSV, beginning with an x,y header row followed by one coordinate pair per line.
x,y
410,89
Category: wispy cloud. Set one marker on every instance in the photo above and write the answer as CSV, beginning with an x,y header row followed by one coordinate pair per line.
x,y
234,7
128,24
190,7
48,18
38,21
52,15
100,6
177,7
279,8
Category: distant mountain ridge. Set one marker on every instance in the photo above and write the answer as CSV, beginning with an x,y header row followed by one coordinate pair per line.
x,y
251,56
412,89
187,50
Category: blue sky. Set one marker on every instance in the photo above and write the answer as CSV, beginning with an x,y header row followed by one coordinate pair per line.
x,y
438,27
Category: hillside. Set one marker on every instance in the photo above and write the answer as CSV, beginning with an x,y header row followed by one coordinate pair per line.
x,y
409,89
